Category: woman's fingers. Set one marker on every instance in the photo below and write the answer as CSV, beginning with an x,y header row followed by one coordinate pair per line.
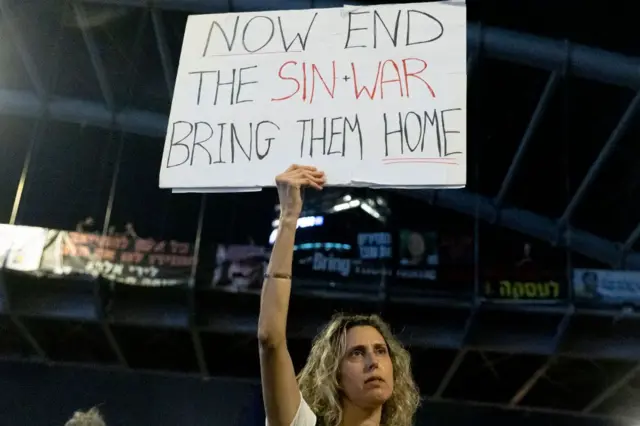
x,y
315,180
299,176
313,184
299,167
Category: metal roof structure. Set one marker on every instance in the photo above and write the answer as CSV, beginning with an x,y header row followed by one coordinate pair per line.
x,y
553,125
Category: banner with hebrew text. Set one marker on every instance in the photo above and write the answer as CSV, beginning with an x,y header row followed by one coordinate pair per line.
x,y
123,259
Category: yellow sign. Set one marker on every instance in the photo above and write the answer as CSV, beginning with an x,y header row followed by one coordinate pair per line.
x,y
522,289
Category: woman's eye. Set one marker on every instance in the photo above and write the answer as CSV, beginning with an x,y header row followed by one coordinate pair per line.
x,y
381,351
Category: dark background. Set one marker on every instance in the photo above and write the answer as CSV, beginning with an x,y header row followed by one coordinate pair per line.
x,y
131,399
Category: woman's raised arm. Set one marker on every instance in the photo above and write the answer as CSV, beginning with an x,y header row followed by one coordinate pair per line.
x,y
279,387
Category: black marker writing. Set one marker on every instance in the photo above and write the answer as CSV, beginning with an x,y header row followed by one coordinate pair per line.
x,y
198,145
192,129
447,132
303,44
230,43
332,133
245,83
412,129
434,21
396,27
261,31
257,34
414,21
233,81
354,29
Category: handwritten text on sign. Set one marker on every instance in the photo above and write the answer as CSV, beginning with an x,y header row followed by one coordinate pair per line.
x,y
372,95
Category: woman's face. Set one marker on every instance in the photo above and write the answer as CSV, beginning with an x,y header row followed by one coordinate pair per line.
x,y
366,371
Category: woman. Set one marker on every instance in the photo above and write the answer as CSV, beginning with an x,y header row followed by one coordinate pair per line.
x,y
357,373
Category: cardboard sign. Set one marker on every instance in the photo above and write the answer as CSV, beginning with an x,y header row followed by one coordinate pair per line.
x,y
374,96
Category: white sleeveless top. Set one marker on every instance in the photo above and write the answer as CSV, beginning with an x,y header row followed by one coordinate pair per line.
x,y
304,416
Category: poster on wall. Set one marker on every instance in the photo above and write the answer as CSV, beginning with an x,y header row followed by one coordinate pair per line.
x,y
239,268
372,95
363,264
122,259
606,287
417,263
418,252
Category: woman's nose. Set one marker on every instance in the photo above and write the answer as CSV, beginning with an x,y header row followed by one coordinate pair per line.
x,y
372,362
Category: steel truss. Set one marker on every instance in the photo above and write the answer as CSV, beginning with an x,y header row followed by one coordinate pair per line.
x,y
558,57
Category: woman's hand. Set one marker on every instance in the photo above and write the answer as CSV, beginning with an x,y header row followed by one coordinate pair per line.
x,y
289,184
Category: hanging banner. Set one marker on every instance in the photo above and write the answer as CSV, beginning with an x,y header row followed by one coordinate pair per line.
x,y
602,286
374,96
21,247
135,261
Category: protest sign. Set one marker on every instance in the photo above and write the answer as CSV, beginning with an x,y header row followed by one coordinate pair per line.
x,y
375,96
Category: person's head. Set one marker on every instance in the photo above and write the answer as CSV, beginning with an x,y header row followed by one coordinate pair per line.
x,y
356,358
88,418
415,245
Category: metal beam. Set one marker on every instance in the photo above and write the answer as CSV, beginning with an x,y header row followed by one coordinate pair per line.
x,y
94,54
546,97
540,410
24,331
69,110
26,104
528,223
163,49
551,54
605,153
448,376
457,361
103,315
193,327
255,381
628,245
22,183
197,6
611,390
542,370
9,20
534,51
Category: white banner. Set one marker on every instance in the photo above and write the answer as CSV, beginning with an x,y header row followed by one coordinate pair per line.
x,y
21,247
374,96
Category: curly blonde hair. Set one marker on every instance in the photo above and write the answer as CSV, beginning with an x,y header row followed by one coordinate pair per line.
x,y
319,384
88,418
